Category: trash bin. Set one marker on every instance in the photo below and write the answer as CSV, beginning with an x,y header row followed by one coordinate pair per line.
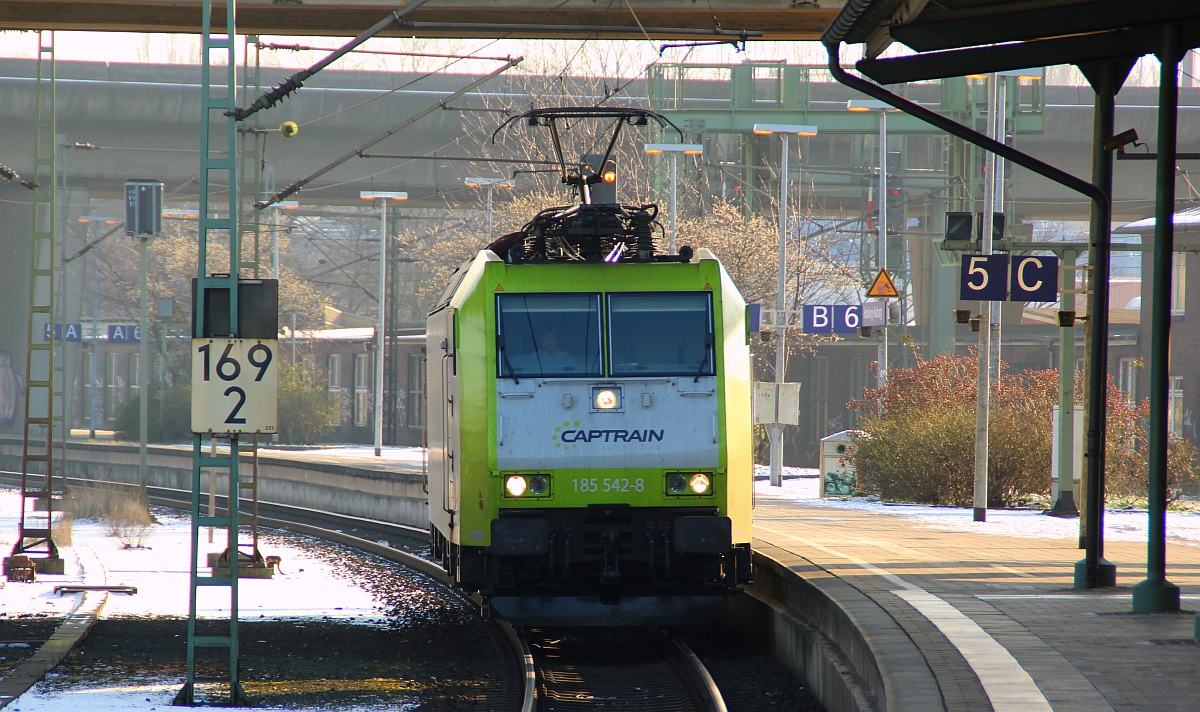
x,y
837,475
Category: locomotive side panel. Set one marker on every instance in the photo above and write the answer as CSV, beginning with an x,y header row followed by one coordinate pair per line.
x,y
738,436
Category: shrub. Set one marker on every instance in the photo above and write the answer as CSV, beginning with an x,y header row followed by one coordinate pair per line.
x,y
120,510
922,434
170,421
129,521
306,412
1126,458
922,437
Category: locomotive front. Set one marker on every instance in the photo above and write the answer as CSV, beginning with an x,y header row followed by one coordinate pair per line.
x,y
589,425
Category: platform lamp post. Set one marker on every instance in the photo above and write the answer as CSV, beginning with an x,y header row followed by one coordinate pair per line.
x,y
489,184
383,197
281,205
673,150
94,221
859,106
775,429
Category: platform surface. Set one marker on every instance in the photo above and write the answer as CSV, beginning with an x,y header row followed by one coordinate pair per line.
x,y
994,615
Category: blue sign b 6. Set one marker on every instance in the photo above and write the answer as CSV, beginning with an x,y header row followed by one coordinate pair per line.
x,y
831,318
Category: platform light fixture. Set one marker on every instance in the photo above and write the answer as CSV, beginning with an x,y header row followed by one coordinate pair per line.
x,y
94,220
863,106
785,129
181,214
674,149
383,196
489,184
281,205
775,429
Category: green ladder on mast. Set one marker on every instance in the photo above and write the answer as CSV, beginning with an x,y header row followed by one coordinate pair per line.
x,y
218,171
43,371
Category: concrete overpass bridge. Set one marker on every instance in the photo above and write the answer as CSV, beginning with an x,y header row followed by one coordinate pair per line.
x,y
145,121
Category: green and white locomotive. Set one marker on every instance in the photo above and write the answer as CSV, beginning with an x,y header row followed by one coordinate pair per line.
x,y
588,421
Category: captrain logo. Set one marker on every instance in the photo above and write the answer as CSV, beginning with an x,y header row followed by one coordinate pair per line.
x,y
569,435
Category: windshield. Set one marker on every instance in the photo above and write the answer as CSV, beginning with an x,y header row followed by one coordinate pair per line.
x,y
661,334
548,335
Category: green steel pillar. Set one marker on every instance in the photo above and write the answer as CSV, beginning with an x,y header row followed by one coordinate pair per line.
x,y
1156,594
218,175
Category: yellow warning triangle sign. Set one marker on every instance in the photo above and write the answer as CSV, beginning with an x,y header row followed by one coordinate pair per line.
x,y
883,286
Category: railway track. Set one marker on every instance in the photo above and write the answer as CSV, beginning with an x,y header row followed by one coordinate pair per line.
x,y
395,543
618,669
561,669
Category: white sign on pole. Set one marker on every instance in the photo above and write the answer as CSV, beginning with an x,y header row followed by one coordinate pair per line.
x,y
235,386
764,403
874,313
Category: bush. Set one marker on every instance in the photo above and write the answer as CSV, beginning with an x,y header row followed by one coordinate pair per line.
x,y
306,411
169,421
922,437
922,434
120,510
1126,458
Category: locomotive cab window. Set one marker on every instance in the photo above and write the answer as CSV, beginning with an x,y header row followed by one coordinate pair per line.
x,y
661,334
548,335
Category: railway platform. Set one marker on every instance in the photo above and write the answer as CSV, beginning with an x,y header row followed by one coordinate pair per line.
x,y
966,618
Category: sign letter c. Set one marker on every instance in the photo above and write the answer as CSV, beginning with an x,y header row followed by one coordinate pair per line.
x,y
1021,274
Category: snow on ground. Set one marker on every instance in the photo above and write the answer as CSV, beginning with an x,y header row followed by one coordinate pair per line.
x,y
160,572
410,455
306,586
803,485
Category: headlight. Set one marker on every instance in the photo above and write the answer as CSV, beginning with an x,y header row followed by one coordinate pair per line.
x,y
515,485
689,483
526,485
606,399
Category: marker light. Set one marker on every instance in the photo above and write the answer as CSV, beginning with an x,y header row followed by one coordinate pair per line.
x,y
527,485
609,176
605,399
515,485
689,483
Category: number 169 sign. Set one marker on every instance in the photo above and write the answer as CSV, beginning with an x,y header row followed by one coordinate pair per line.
x,y
235,386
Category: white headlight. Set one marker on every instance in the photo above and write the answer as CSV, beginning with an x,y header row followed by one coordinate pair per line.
x,y
515,485
699,483
605,399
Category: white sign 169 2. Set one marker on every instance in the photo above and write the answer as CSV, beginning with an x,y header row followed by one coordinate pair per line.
x,y
235,386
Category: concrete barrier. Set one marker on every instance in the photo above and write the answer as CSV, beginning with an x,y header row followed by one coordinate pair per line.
x,y
382,494
851,655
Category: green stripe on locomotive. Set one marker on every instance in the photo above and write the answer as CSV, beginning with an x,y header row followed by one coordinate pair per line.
x,y
481,490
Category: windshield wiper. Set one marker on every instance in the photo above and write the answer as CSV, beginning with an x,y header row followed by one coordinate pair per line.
x,y
512,373
708,345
